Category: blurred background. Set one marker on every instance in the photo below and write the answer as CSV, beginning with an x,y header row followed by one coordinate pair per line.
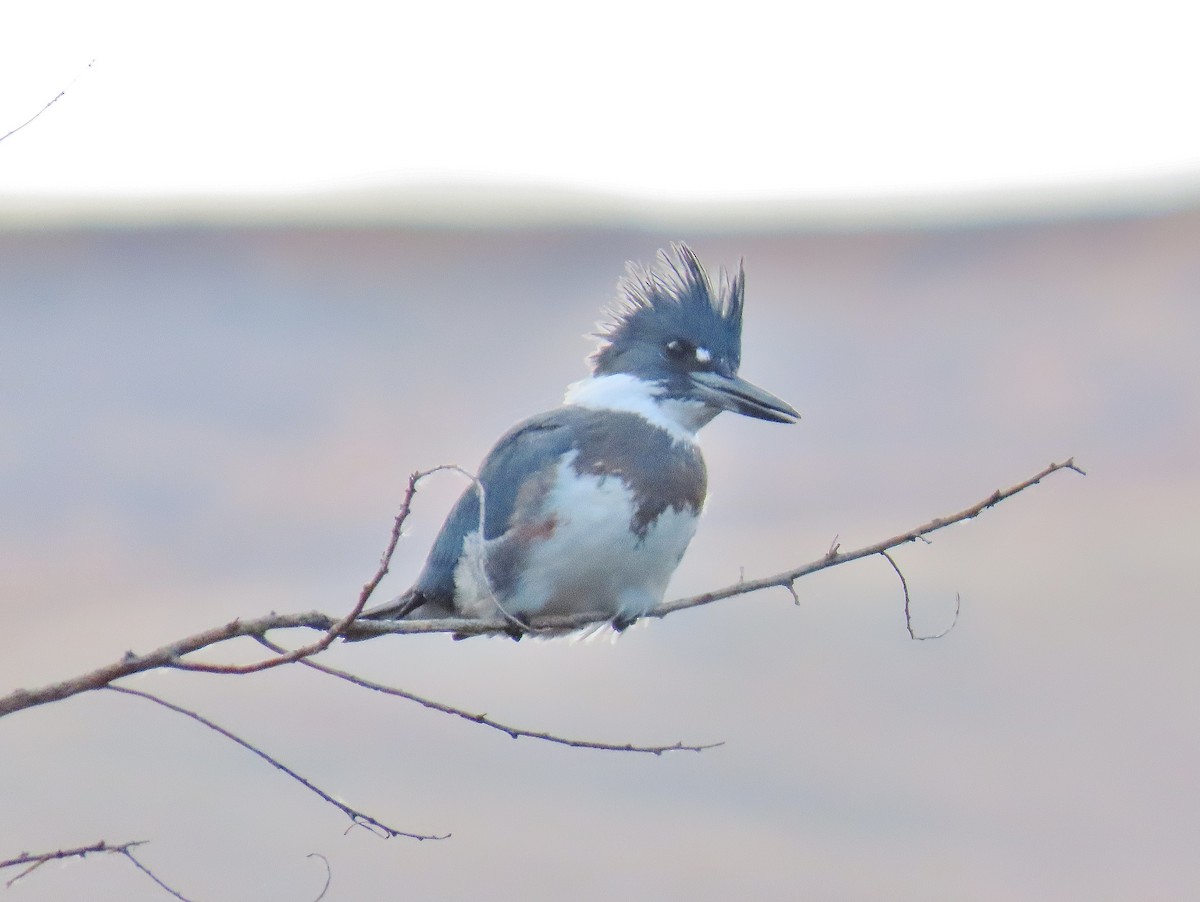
x,y
259,264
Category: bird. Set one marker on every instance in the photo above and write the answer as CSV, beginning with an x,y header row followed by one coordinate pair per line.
x,y
588,508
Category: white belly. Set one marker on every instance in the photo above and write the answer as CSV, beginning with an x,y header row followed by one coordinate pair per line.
x,y
591,563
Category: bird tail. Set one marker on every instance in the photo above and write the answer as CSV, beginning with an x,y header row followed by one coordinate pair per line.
x,y
398,608
412,605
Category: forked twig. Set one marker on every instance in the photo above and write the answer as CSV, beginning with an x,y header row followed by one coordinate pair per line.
x,y
32,862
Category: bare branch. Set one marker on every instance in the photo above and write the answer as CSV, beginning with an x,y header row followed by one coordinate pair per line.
x,y
34,861
835,556
831,558
514,732
167,656
170,656
357,817
53,101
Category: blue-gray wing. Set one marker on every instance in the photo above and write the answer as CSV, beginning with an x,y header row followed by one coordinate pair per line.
x,y
525,453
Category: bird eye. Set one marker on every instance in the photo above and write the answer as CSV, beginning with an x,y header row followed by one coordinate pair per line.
x,y
681,350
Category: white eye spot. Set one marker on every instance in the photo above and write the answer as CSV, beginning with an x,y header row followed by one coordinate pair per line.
x,y
704,355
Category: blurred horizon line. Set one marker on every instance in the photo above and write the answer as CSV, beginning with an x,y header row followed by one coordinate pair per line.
x,y
495,205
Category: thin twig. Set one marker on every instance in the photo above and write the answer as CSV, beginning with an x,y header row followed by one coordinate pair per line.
x,y
335,630
953,620
908,600
398,606
514,732
34,861
790,585
40,858
904,586
53,101
328,874
153,876
356,816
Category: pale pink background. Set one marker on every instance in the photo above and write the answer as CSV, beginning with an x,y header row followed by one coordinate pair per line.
x,y
204,423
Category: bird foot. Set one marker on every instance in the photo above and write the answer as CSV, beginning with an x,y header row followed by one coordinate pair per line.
x,y
622,623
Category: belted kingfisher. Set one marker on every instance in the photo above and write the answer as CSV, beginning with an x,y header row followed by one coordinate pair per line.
x,y
588,508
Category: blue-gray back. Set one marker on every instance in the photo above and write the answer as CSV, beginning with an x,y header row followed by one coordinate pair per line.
x,y
519,471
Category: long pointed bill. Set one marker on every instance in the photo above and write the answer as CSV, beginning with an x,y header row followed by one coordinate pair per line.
x,y
736,394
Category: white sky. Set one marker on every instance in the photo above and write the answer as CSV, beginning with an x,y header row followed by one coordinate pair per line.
x,y
748,100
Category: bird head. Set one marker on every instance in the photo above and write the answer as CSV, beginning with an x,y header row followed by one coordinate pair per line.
x,y
672,328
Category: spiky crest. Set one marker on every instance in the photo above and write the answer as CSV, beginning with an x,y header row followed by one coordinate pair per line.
x,y
671,300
